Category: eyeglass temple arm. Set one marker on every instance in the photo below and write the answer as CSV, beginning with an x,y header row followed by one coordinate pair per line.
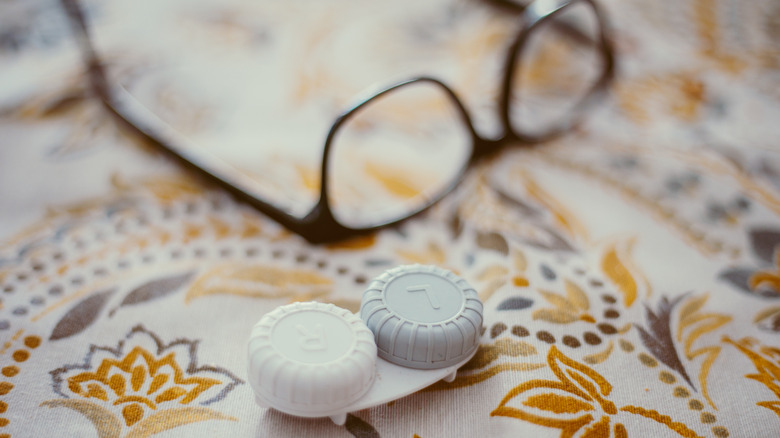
x,y
80,31
121,104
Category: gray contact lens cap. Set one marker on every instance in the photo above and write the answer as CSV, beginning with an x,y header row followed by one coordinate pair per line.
x,y
422,316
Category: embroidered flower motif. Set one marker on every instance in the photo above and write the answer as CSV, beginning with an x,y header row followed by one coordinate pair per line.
x,y
512,272
767,362
576,403
149,387
138,381
566,309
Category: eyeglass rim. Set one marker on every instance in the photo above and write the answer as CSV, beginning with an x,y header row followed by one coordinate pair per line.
x,y
533,19
319,225
323,207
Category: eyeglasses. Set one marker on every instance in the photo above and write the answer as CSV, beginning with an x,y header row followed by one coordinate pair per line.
x,y
420,122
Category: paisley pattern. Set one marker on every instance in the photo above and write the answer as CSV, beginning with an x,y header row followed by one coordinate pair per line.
x,y
143,383
630,270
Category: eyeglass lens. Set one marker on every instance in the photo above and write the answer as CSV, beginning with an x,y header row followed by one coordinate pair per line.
x,y
558,65
396,155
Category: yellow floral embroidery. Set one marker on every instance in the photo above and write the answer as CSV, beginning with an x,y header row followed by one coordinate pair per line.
x,y
694,324
481,367
401,183
494,277
563,216
139,379
573,307
767,363
165,189
488,353
432,254
575,403
141,392
601,356
709,30
258,281
616,264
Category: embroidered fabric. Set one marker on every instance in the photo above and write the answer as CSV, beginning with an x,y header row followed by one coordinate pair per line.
x,y
629,271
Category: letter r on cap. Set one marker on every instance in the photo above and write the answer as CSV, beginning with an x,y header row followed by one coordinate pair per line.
x,y
311,340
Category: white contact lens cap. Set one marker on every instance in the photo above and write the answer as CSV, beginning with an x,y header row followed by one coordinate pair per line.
x,y
422,316
311,359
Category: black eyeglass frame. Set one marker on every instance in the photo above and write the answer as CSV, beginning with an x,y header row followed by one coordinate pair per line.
x,y
320,225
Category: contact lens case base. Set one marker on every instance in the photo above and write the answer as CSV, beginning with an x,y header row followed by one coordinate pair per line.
x,y
418,324
390,383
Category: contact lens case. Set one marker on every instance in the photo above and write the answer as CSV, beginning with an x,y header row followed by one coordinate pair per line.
x,y
418,324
